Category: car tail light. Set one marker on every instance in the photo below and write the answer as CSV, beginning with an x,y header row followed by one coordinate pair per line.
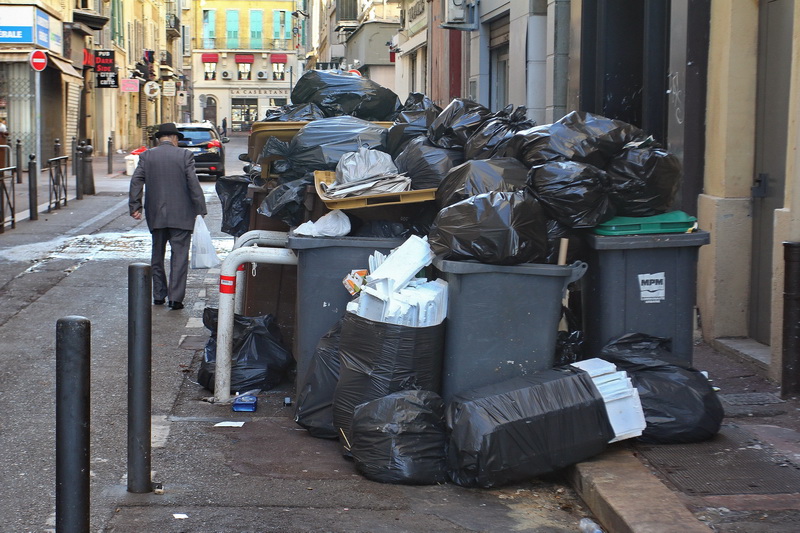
x,y
214,144
212,168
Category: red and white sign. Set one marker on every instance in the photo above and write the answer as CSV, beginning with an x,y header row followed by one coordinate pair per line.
x,y
38,60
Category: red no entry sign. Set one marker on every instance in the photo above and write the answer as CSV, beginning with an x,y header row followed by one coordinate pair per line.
x,y
38,60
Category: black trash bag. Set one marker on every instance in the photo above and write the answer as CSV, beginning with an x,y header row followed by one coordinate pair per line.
x,y
419,102
426,164
343,94
232,193
258,358
501,228
295,113
407,126
525,427
569,343
401,438
575,194
314,409
285,202
578,136
495,133
576,246
319,145
679,403
378,359
457,122
644,181
480,176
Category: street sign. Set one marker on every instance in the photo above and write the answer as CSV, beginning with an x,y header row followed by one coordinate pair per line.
x,y
38,60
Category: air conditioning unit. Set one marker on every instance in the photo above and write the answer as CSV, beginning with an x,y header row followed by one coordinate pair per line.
x,y
460,15
262,75
226,75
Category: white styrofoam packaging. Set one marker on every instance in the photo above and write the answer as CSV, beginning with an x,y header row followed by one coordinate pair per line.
x,y
626,416
401,265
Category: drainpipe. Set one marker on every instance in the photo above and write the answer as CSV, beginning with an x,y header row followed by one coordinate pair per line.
x,y
276,239
790,371
227,293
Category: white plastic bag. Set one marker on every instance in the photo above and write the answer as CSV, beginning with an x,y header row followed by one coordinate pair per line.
x,y
333,224
364,163
203,253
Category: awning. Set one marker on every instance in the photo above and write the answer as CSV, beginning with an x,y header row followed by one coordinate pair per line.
x,y
278,58
210,58
64,66
244,58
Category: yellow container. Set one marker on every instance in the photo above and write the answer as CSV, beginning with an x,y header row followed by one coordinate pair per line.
x,y
373,200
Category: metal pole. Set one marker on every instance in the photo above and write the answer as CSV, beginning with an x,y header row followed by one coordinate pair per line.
x,y
57,148
72,424
110,154
139,368
77,165
33,194
19,161
74,156
38,99
790,374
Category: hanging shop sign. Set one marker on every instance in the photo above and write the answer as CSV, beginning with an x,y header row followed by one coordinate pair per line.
x,y
168,88
129,85
105,70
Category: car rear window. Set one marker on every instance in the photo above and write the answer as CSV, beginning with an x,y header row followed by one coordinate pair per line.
x,y
196,136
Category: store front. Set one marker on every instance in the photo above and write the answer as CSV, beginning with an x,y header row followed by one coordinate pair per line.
x,y
244,111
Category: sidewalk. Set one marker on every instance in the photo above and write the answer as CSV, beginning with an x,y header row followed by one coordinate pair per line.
x,y
270,475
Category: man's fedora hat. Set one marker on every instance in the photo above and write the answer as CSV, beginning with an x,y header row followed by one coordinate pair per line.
x,y
168,128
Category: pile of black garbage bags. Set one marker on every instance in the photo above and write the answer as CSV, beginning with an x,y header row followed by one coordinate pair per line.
x,y
507,190
375,387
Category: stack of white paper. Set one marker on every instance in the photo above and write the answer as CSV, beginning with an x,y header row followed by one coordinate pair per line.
x,y
392,294
621,398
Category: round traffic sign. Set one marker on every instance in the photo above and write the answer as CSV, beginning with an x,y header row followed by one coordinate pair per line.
x,y
38,60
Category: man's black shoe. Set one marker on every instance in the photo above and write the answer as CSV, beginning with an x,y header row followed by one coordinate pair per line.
x,y
176,305
158,302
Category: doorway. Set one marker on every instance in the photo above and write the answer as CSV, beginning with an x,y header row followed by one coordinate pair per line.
x,y
210,110
772,116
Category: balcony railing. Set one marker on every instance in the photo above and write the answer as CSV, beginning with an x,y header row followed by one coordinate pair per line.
x,y
219,43
173,25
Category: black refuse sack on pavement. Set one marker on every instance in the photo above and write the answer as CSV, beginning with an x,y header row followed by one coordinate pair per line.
x,y
285,202
426,164
319,145
501,228
457,122
644,181
232,192
578,136
680,405
344,94
525,427
575,194
314,409
401,438
295,113
479,176
378,359
258,358
495,133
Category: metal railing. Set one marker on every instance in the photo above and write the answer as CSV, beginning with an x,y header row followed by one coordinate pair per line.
x,y
57,168
7,199
220,44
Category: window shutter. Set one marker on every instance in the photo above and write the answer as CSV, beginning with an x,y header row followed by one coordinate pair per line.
x,y
287,28
276,24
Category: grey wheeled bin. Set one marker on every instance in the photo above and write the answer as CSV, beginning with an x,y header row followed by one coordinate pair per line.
x,y
502,321
322,264
641,284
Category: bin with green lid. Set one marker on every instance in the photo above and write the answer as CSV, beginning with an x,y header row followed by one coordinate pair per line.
x,y
641,284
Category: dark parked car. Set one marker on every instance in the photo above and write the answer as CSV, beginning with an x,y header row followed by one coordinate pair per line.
x,y
202,139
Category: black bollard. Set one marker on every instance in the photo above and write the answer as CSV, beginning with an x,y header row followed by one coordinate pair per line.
x,y
790,368
19,161
72,424
57,148
139,367
74,156
33,188
87,172
77,166
110,152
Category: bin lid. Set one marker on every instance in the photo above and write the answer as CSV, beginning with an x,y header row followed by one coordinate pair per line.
x,y
660,240
532,269
296,242
672,222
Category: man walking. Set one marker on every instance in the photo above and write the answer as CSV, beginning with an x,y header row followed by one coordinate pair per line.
x,y
172,200
224,126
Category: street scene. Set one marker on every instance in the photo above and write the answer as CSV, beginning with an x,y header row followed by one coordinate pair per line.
x,y
402,266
